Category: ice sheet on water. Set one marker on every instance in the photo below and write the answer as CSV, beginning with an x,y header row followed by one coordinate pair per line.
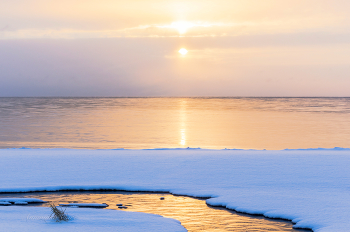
x,y
85,205
28,200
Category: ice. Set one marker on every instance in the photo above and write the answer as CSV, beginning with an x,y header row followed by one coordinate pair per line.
x,y
4,203
28,200
86,205
21,203
310,187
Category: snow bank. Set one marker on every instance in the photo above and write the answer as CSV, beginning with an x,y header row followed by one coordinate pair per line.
x,y
4,203
21,203
310,187
28,219
85,205
28,200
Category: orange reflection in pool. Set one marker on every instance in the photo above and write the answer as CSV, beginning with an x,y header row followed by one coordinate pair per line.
x,y
194,214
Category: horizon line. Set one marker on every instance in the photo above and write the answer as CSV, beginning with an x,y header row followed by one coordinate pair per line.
x,y
174,96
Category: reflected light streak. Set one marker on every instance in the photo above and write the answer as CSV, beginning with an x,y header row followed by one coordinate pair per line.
x,y
183,121
183,137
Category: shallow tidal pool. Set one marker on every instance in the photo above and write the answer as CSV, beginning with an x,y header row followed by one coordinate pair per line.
x,y
193,213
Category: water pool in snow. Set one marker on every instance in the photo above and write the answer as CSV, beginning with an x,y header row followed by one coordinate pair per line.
x,y
193,213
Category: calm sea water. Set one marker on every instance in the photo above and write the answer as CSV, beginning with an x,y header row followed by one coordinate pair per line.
x,y
138,123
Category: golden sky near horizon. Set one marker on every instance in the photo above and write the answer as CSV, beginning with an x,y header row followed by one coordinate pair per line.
x,y
141,18
235,47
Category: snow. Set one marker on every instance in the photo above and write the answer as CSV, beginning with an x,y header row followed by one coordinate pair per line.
x,y
23,219
28,200
4,203
21,203
309,187
92,205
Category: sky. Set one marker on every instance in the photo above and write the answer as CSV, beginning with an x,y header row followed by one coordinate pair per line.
x,y
114,48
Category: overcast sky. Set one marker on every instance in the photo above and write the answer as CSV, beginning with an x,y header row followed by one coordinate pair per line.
x,y
130,48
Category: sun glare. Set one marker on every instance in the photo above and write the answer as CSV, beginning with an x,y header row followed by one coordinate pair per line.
x,y
183,51
182,27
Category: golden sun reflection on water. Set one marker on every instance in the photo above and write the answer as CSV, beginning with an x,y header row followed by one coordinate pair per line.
x,y
183,121
183,137
193,213
144,123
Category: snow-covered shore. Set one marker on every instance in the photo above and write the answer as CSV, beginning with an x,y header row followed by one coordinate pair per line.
x,y
310,187
29,219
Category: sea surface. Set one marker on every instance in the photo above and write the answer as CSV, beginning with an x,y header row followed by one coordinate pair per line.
x,y
147,123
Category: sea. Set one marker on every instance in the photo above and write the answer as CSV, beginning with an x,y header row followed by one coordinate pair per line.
x,y
149,123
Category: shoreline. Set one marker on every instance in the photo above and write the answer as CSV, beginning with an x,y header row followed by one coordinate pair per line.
x,y
300,186
155,192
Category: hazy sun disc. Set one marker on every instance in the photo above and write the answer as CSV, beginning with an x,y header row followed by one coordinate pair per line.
x,y
183,51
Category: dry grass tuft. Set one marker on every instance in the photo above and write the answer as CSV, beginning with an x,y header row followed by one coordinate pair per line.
x,y
58,215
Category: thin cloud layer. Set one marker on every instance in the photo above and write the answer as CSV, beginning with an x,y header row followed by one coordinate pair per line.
x,y
107,18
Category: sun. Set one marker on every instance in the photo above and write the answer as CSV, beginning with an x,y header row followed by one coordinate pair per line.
x,y
182,27
183,51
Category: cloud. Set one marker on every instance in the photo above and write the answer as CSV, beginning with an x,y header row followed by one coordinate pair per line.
x,y
150,18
